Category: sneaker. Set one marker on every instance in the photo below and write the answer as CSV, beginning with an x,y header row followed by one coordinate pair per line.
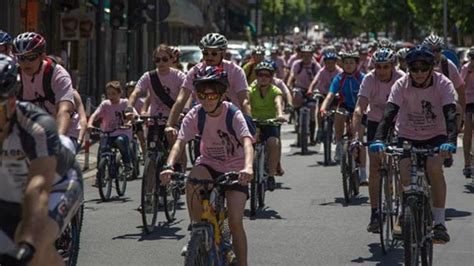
x,y
440,234
338,155
363,179
271,184
467,172
279,171
373,226
184,250
128,171
312,142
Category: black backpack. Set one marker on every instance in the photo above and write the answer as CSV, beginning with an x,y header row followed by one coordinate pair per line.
x,y
444,66
159,90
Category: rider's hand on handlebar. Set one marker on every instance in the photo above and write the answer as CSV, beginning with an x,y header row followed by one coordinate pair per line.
x,y
245,175
322,112
165,176
446,149
171,132
309,93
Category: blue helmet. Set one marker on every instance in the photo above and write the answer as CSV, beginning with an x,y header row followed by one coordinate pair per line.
x,y
8,75
420,53
5,38
384,55
330,56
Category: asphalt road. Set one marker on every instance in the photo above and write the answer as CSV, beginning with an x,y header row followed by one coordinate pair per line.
x,y
305,223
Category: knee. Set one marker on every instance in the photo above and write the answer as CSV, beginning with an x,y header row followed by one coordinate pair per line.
x,y
272,142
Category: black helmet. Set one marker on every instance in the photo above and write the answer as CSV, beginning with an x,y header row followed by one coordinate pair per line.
x,y
5,38
213,40
350,54
8,76
212,74
28,42
420,53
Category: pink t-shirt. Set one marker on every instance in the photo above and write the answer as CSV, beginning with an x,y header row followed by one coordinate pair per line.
x,y
421,116
377,93
235,74
219,148
74,126
139,104
304,74
113,116
291,60
364,65
467,74
453,73
61,85
280,67
324,78
171,84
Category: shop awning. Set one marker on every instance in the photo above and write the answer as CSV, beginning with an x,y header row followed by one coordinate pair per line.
x,y
185,14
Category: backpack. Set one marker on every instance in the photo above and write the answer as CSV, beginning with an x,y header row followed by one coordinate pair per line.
x,y
159,90
228,121
47,88
313,68
444,66
341,83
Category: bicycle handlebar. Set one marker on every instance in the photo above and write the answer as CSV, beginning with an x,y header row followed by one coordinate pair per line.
x,y
97,129
267,122
228,178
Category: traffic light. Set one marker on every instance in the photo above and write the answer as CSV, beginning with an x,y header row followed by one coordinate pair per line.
x,y
68,4
117,12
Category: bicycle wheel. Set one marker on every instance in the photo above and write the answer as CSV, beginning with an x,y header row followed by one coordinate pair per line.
x,y
149,196
304,131
253,190
427,247
385,208
354,181
120,178
135,159
327,140
346,175
410,237
199,254
191,151
170,194
261,184
68,243
104,179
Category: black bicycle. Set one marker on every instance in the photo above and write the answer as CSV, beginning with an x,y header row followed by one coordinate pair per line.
x,y
111,168
349,164
152,193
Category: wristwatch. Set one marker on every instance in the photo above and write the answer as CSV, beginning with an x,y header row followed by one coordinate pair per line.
x,y
167,167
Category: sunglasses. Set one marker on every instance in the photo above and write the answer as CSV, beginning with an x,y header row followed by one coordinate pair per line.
x,y
159,59
206,53
29,58
264,75
211,96
423,69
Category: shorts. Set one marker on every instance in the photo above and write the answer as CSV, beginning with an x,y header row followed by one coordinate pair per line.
x,y
269,131
351,111
65,198
429,143
371,130
137,128
236,187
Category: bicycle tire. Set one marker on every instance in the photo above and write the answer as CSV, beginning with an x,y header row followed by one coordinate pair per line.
x,y
68,243
253,192
427,248
327,127
104,180
354,181
304,132
149,196
198,254
385,207
410,237
120,178
261,178
191,151
170,194
345,175
135,160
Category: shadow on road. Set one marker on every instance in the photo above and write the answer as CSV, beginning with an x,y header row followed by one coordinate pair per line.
x,y
392,258
279,185
162,231
453,214
469,188
321,164
264,213
114,199
360,200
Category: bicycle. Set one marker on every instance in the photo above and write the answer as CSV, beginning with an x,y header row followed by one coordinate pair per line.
x,y
349,164
111,168
211,241
152,193
136,154
258,183
193,149
417,219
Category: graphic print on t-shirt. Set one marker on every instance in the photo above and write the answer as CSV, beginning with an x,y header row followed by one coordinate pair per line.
x,y
424,120
118,121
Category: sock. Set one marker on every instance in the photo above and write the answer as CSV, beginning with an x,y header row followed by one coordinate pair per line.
x,y
439,216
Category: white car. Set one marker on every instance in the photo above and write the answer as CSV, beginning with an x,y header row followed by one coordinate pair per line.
x,y
189,54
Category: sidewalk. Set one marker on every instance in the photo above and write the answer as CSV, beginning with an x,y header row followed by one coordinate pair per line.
x,y
90,172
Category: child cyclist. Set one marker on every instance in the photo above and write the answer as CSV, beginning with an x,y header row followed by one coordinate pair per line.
x,y
220,150
267,103
112,113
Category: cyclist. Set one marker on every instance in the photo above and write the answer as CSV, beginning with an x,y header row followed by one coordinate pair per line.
x,y
373,93
176,53
279,62
258,54
267,103
5,43
467,73
44,82
347,85
40,181
138,128
364,59
322,82
230,153
401,54
112,112
426,119
213,46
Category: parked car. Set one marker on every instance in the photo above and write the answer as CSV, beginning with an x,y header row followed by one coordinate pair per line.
x,y
189,54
